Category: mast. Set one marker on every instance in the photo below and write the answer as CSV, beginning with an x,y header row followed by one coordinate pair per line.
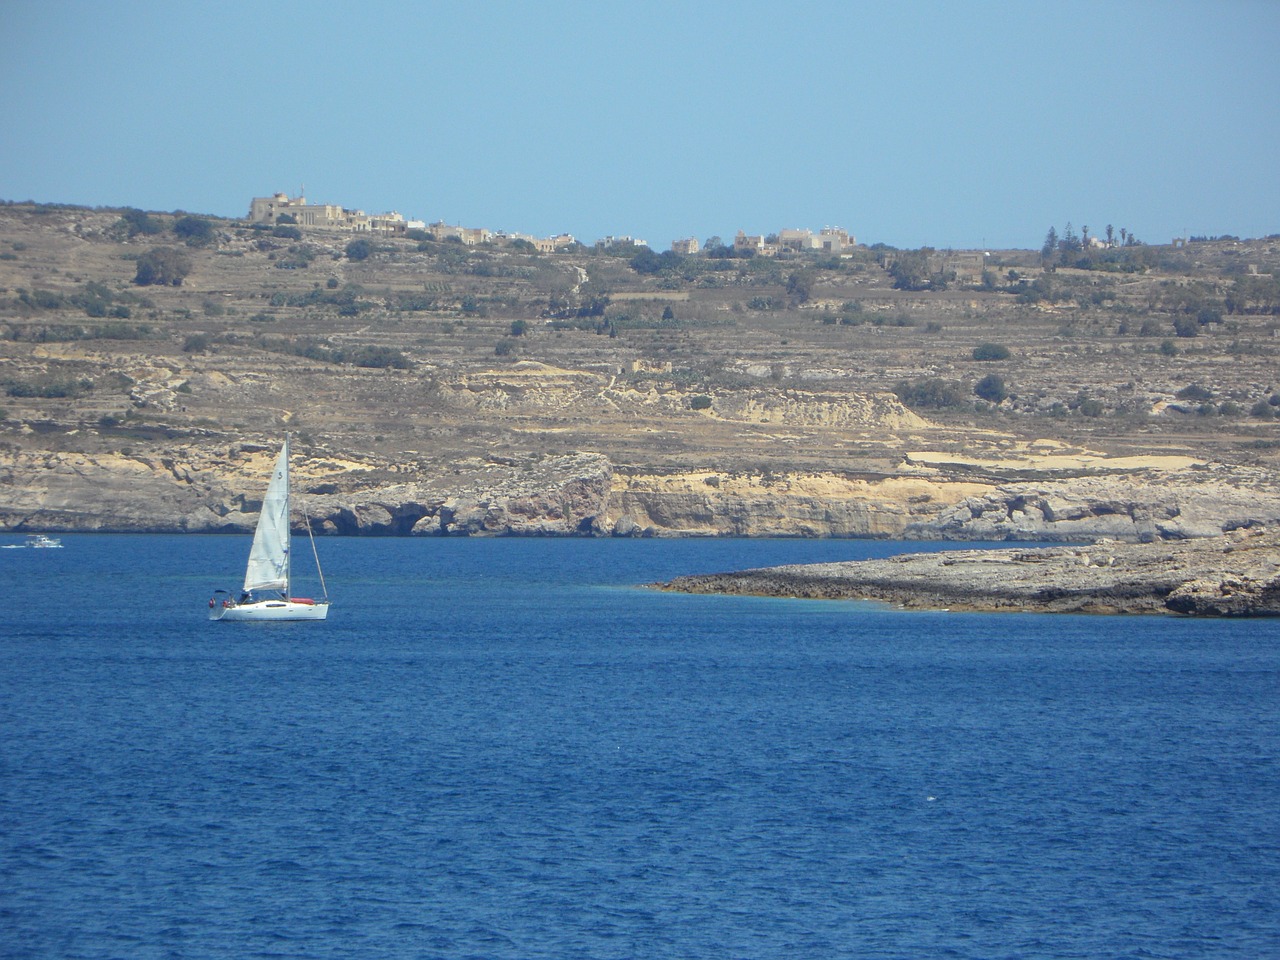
x,y
288,530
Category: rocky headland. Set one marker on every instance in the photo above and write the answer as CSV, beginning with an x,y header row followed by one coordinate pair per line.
x,y
1236,575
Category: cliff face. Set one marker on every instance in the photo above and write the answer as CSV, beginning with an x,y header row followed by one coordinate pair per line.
x,y
794,505
199,492
1153,506
1145,506
203,489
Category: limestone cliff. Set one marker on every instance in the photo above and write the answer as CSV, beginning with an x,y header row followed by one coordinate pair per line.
x,y
202,491
197,487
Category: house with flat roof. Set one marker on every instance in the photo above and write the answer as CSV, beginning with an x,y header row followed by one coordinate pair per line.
x,y
324,216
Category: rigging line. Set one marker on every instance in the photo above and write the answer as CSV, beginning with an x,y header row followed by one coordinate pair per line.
x,y
306,517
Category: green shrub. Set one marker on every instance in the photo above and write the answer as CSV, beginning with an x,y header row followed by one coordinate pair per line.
x,y
932,392
700,402
48,388
991,388
196,231
379,358
990,351
163,267
136,222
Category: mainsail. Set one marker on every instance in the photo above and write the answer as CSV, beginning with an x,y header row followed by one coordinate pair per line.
x,y
269,557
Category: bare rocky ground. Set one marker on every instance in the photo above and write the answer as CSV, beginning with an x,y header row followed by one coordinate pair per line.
x,y
1231,576
571,394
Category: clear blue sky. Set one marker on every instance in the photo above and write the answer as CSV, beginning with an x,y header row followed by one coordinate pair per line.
x,y
947,124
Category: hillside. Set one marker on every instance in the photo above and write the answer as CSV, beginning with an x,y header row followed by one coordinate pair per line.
x,y
435,387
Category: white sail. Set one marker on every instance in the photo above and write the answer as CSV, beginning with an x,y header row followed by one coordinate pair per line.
x,y
269,557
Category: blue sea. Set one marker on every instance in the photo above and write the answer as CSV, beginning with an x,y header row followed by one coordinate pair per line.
x,y
508,748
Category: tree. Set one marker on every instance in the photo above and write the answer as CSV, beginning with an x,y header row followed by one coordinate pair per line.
x,y
1069,243
991,388
646,261
931,392
136,221
195,230
359,249
910,270
162,266
519,327
1111,235
1050,244
800,285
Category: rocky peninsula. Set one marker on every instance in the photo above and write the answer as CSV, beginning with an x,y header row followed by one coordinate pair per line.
x,y
1236,575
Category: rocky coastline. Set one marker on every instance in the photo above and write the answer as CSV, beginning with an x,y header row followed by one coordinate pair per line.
x,y
1236,575
213,488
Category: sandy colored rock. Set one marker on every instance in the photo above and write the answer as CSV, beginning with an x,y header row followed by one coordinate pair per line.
x,y
1233,575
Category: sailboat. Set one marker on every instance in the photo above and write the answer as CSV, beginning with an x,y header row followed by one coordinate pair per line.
x,y
266,579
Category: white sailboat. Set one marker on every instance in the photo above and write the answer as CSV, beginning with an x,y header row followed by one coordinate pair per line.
x,y
266,579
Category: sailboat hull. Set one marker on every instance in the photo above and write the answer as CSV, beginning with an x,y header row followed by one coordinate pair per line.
x,y
270,610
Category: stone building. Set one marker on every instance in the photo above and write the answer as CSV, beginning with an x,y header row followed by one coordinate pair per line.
x,y
325,216
828,240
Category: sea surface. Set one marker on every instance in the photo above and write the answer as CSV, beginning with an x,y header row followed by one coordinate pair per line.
x,y
507,748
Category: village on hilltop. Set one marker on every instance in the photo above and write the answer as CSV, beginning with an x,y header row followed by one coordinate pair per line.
x,y
283,209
